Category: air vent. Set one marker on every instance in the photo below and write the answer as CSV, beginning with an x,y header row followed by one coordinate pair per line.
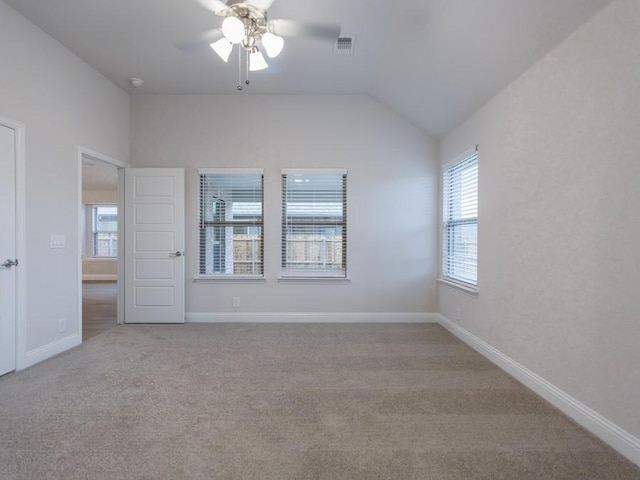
x,y
344,45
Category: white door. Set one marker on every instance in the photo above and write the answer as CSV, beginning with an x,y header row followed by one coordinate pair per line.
x,y
154,245
7,250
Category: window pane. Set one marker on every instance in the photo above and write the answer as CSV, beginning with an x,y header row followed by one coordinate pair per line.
x,y
314,225
231,224
312,247
244,245
105,231
460,221
461,260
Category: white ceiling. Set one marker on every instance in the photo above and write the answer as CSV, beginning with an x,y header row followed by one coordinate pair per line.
x,y
432,61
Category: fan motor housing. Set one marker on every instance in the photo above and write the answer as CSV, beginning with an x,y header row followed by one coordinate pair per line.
x,y
245,10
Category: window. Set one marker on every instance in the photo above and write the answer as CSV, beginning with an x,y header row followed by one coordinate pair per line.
x,y
104,231
314,223
231,233
460,221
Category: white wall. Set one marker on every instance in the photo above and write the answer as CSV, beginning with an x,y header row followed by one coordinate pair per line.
x,y
97,197
558,224
64,104
392,191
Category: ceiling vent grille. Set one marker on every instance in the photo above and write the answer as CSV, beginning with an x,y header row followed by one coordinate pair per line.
x,y
344,45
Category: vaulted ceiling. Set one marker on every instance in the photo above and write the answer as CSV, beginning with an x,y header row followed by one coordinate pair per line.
x,y
432,61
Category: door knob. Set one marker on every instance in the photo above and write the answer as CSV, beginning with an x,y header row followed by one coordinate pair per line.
x,y
8,263
176,254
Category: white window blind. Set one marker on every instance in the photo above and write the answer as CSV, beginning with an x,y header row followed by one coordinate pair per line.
x,y
231,229
460,221
105,230
314,224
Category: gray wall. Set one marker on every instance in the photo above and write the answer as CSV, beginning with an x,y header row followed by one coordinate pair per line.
x,y
392,191
558,219
64,104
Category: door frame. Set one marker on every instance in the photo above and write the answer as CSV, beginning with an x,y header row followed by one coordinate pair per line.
x,y
20,233
89,154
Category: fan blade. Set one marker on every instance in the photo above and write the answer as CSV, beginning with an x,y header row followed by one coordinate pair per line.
x,y
204,39
294,28
261,4
214,6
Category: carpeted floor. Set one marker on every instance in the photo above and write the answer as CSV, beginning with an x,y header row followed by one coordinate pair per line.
x,y
284,401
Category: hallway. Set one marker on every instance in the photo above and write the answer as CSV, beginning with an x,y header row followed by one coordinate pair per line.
x,y
99,308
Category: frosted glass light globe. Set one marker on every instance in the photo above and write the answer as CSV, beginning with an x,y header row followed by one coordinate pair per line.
x,y
272,44
233,29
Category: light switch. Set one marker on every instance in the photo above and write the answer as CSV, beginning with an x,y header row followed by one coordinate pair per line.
x,y
58,241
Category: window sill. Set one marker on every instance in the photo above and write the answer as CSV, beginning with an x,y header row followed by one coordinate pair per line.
x,y
315,280
229,279
460,287
99,259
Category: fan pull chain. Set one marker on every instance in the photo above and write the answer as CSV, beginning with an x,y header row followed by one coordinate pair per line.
x,y
239,87
247,80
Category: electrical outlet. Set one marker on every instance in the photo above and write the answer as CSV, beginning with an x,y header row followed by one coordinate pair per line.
x,y
236,302
62,325
458,314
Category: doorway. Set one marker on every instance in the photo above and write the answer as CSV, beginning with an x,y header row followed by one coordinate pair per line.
x,y
8,260
101,251
12,199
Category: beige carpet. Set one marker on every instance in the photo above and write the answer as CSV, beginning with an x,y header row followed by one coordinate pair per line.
x,y
283,401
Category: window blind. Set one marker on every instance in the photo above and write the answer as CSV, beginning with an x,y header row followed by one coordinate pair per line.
x,y
314,224
460,221
231,224
105,230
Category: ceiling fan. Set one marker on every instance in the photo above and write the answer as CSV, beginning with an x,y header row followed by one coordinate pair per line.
x,y
247,25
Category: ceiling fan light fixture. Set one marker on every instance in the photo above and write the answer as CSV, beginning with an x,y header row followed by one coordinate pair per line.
x,y
256,60
223,48
272,44
233,29
245,23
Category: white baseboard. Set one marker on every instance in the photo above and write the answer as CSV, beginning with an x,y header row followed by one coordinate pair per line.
x,y
616,437
99,277
47,351
310,317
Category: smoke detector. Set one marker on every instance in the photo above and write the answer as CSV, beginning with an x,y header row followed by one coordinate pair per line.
x,y
136,82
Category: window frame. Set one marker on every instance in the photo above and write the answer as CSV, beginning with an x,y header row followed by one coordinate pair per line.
x,y
229,277
302,275
448,224
92,221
